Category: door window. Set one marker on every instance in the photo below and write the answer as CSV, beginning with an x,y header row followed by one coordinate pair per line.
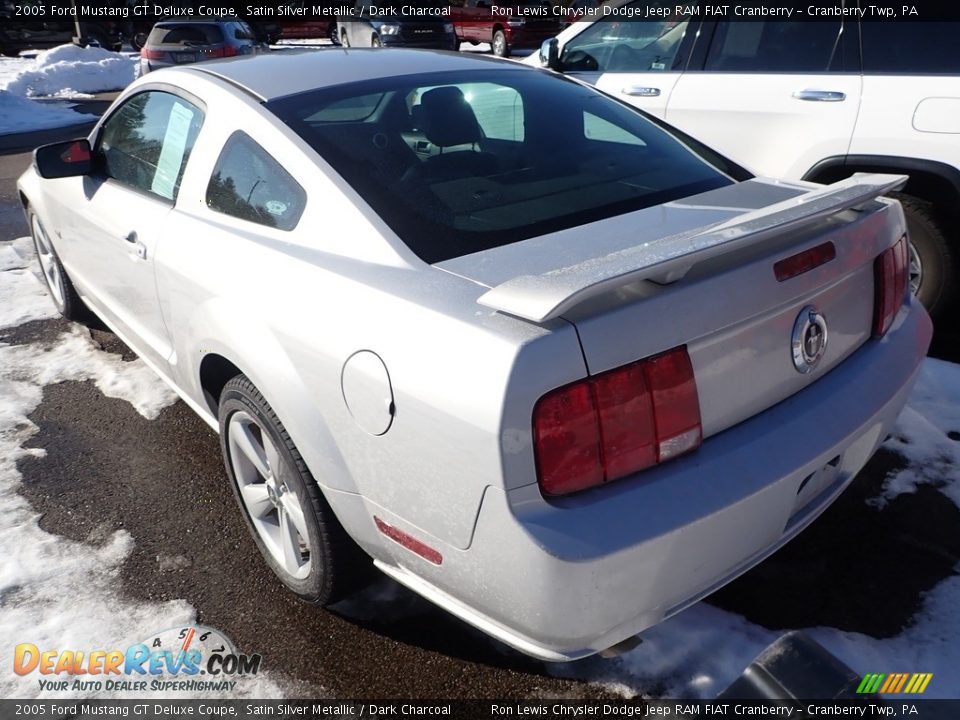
x,y
911,47
631,46
249,184
147,142
776,46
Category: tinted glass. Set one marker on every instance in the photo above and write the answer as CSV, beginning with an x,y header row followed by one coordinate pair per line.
x,y
249,184
635,46
146,143
775,46
426,164
911,47
186,34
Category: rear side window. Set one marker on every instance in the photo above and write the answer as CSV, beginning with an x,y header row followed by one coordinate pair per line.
x,y
911,47
146,143
776,47
250,185
186,34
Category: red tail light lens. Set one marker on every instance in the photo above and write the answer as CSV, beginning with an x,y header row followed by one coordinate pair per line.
x,y
891,273
567,437
151,54
616,423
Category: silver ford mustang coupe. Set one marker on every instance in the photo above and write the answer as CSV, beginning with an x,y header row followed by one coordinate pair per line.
x,y
552,364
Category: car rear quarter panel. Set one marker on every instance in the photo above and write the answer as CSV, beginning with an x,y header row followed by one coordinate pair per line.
x,y
289,309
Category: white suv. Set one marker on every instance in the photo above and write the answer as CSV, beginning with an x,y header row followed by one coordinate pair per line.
x,y
812,100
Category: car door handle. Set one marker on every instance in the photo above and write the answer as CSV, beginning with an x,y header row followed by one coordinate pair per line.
x,y
820,95
641,91
141,249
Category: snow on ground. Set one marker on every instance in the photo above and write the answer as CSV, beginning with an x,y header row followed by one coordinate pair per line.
x,y
57,593
703,649
19,114
67,72
921,434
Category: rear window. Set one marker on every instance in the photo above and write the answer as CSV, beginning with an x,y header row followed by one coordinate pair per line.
x,y
186,34
449,162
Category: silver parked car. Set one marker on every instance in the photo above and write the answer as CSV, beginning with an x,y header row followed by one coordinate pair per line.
x,y
175,42
553,365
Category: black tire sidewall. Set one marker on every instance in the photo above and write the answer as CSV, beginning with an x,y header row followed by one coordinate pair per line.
x,y
235,398
937,286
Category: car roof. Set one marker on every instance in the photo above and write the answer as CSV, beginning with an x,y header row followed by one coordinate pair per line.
x,y
288,72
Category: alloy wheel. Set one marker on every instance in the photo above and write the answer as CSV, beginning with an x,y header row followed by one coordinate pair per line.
x,y
275,510
48,262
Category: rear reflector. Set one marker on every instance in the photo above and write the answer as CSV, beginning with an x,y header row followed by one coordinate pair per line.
x,y
804,262
891,274
617,423
409,542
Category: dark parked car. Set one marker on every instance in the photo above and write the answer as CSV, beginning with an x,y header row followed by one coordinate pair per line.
x,y
376,23
323,26
175,42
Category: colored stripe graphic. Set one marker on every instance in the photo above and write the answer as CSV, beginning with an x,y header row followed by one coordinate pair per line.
x,y
894,683
891,681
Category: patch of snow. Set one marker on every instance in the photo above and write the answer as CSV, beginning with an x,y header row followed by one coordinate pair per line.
x,y
68,69
921,434
22,297
56,593
19,114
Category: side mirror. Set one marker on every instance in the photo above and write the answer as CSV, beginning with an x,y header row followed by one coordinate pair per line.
x,y
550,54
63,159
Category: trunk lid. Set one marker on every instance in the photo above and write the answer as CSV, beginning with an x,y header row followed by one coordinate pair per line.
x,y
700,272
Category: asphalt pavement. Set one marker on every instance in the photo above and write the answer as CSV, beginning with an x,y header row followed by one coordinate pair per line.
x,y
108,468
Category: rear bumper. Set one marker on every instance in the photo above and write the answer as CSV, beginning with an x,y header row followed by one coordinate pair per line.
x,y
565,579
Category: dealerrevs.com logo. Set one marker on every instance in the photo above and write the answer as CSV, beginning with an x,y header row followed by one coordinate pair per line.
x,y
191,659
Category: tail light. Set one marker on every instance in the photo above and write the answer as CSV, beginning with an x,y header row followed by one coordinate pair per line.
x,y
149,54
616,423
220,52
891,274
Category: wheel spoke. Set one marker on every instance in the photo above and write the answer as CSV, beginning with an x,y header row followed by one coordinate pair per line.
x,y
274,463
289,543
294,512
250,448
257,499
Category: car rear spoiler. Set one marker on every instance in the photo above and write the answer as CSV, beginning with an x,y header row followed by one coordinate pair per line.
x,y
544,297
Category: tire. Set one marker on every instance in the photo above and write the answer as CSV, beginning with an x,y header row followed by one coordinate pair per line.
x,y
138,40
334,34
501,48
456,44
59,286
375,41
933,274
325,565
